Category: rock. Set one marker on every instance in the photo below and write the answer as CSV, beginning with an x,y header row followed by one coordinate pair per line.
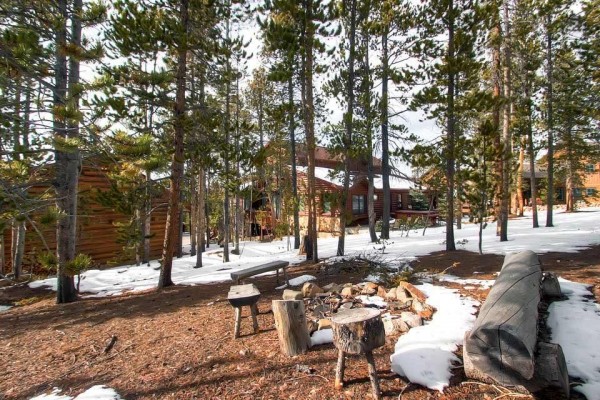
x,y
381,292
426,314
324,323
349,291
417,306
551,286
369,289
411,319
289,294
320,310
333,288
393,325
311,290
311,325
414,292
402,295
391,295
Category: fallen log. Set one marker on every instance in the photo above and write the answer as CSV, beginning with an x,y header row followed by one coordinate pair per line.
x,y
502,348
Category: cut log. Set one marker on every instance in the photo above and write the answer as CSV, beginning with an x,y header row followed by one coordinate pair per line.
x,y
290,322
503,340
551,368
289,294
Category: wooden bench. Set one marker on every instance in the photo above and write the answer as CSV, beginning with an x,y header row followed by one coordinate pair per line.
x,y
259,269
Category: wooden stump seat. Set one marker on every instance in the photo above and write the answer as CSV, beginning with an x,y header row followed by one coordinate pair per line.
x,y
243,295
358,331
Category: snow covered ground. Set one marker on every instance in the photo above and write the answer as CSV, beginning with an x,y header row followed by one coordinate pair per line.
x,y
424,355
98,392
571,233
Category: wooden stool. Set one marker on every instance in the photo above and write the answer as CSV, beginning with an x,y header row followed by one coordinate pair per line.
x,y
243,295
358,331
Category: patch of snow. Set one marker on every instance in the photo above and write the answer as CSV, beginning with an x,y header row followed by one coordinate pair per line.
x,y
425,354
299,280
5,308
98,392
575,325
377,301
321,337
484,283
373,278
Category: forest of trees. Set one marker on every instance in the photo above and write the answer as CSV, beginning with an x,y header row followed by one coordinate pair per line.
x,y
203,98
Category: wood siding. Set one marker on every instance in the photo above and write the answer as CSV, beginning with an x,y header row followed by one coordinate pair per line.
x,y
96,227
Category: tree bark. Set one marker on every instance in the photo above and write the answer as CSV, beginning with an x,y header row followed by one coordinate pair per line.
x,y
226,155
309,122
171,226
450,142
498,143
292,127
550,154
533,183
506,134
67,162
200,217
348,119
385,162
519,184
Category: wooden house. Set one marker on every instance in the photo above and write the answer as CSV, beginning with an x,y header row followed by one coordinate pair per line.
x,y
329,188
96,225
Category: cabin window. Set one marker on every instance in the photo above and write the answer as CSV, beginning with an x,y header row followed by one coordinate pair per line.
x,y
577,192
560,194
359,204
399,202
589,168
590,192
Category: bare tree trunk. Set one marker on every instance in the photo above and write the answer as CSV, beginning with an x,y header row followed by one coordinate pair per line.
x,y
550,154
385,162
450,153
349,126
147,224
178,155
292,126
520,203
532,181
497,82
459,190
309,121
201,218
570,172
67,163
506,134
236,208
193,214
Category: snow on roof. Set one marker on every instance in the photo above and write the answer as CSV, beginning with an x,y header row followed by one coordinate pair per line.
x,y
395,183
326,174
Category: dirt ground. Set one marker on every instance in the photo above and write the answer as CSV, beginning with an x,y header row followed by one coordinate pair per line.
x,y
177,344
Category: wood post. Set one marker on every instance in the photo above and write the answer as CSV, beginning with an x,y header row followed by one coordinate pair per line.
x,y
358,331
254,312
290,322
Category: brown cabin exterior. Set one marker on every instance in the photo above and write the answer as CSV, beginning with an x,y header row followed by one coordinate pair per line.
x,y
329,189
96,226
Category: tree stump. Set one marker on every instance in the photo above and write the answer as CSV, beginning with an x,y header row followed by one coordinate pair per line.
x,y
290,322
358,331
243,295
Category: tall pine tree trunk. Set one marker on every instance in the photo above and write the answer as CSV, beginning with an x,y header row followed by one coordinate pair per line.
x,y
172,225
450,139
519,184
309,126
226,155
193,214
292,133
506,135
549,99
348,119
200,217
147,224
496,42
385,151
533,183
67,160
